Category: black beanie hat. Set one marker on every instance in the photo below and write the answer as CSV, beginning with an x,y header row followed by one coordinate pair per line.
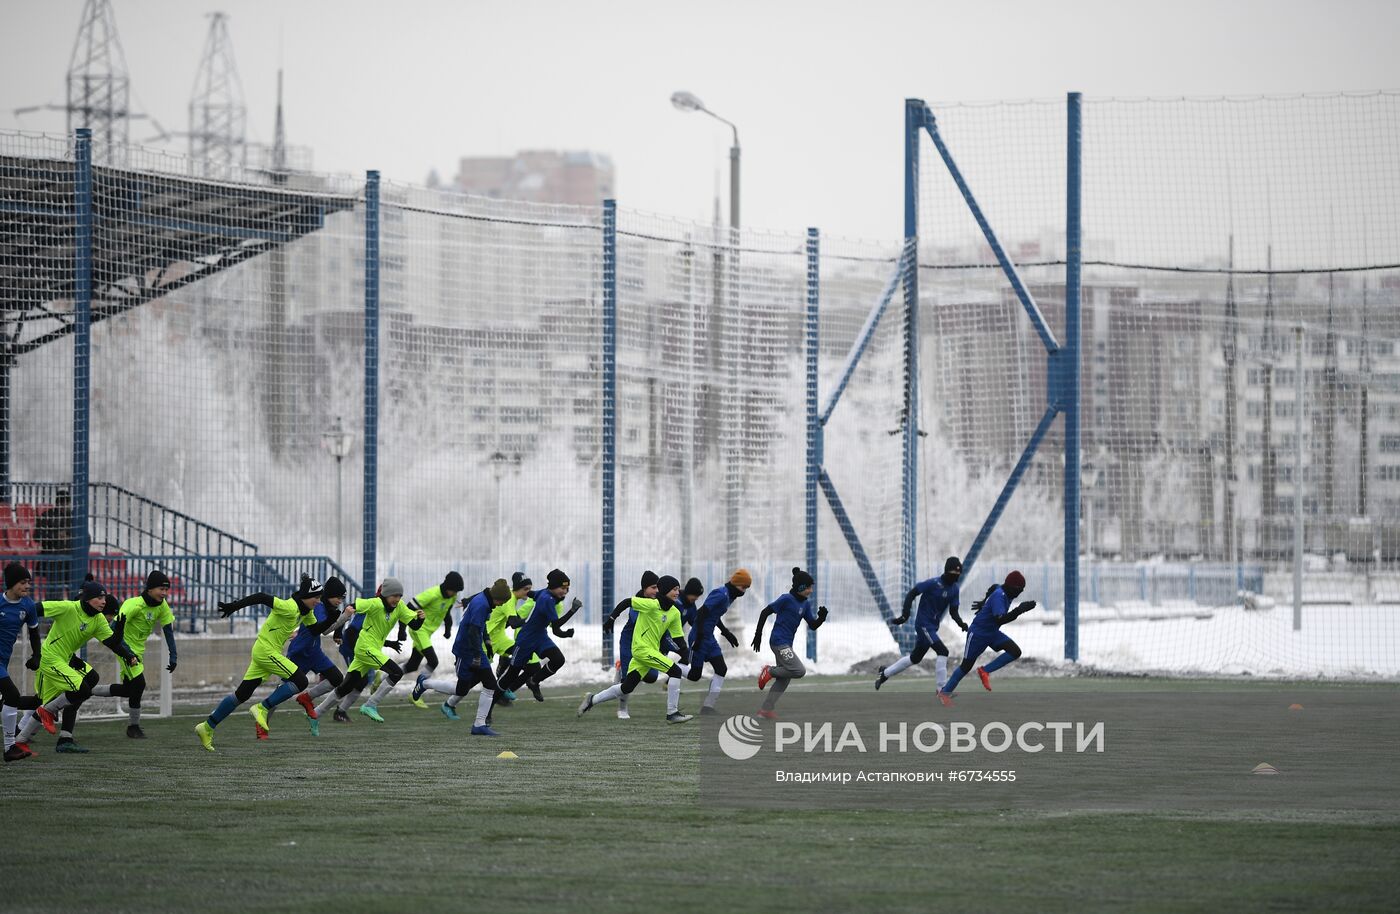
x,y
556,578
694,588
90,590
156,579
519,580
666,584
335,587
953,564
801,578
14,573
649,578
309,587
453,582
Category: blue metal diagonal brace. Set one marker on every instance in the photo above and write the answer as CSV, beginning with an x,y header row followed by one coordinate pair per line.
x,y
1032,309
848,530
1008,490
867,332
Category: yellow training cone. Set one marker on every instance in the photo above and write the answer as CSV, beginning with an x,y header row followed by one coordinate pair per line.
x,y
507,754
1265,768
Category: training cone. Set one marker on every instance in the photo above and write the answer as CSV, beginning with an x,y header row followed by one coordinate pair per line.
x,y
1295,707
507,754
1265,768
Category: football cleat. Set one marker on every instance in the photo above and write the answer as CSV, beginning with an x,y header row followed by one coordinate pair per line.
x,y
484,730
307,705
449,712
340,717
372,713
206,734
259,720
945,698
68,745
765,677
707,709
535,690
585,704
134,731
315,726
47,719
986,678
17,752
676,717
766,714
880,678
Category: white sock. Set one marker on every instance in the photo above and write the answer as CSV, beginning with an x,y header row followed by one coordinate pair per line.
x,y
133,717
348,700
445,686
940,671
8,718
673,694
58,704
65,734
611,693
899,666
454,699
716,683
24,720
102,691
320,689
622,704
385,688
483,706
325,703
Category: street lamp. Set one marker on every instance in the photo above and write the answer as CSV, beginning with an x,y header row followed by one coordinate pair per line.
x,y
1089,477
685,101
337,441
499,462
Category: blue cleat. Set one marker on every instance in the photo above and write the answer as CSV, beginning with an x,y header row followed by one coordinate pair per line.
x,y
484,730
449,712
510,696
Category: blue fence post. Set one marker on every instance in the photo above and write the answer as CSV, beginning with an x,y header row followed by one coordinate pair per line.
x,y
369,577
1070,381
814,428
82,352
609,416
914,119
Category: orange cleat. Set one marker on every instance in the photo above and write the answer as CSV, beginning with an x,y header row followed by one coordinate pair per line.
x,y
47,719
767,715
307,705
765,677
945,698
260,730
986,679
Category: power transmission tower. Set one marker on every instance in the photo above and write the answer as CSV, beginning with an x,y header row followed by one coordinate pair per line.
x,y
218,117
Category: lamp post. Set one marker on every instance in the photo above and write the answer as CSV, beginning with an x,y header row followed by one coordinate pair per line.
x,y
686,101
1089,476
337,441
499,462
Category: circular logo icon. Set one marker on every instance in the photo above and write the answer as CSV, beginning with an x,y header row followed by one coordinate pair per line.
x,y
740,737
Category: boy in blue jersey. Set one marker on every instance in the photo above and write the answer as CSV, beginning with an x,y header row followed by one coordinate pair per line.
x,y
990,614
657,631
17,611
936,596
790,610
473,664
547,617
709,618
305,649
624,642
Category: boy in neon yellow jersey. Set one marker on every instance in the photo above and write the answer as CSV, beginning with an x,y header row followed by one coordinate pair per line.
x,y
436,603
500,626
64,681
381,612
268,660
656,618
137,618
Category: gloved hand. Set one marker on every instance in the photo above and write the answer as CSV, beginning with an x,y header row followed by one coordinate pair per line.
x,y
821,613
899,620
76,662
962,625
1026,606
393,645
576,605
607,625
170,667
32,663
732,638
227,609
757,641
566,633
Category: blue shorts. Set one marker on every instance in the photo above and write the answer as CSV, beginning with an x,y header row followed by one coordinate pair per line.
x,y
525,649
706,651
977,642
313,659
926,636
4,673
463,666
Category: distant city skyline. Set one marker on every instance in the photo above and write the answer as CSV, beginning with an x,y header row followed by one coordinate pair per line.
x,y
816,89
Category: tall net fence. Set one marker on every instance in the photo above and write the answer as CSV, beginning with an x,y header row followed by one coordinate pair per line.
x,y
1219,235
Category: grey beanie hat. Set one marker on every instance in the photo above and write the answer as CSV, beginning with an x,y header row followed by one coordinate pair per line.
x,y
392,587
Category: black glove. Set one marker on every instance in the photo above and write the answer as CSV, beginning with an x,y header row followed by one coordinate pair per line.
x,y
566,633
1025,607
821,613
757,642
32,663
170,667
76,662
227,609
608,624
393,645
732,638
962,625
899,620
576,605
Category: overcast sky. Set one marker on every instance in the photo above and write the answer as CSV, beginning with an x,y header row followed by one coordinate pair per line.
x,y
815,87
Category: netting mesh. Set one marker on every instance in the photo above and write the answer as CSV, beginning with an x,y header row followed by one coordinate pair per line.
x,y
1214,231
